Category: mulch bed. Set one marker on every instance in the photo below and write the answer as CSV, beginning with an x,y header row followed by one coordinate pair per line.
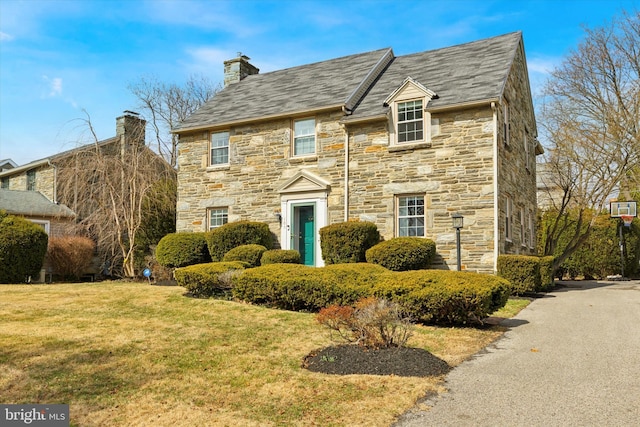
x,y
353,359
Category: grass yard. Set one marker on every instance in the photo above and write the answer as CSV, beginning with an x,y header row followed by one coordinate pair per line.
x,y
132,354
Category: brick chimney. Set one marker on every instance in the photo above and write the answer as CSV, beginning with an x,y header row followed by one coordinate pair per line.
x,y
237,69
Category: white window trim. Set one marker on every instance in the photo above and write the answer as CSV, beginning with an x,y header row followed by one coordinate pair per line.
x,y
45,224
427,124
209,211
397,214
293,138
211,148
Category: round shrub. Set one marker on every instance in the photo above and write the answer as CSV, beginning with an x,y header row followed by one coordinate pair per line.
x,y
346,242
251,254
280,256
403,253
23,246
233,234
206,280
181,249
70,256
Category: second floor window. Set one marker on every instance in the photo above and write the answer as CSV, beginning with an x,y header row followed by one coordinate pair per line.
x,y
304,137
410,121
219,148
31,180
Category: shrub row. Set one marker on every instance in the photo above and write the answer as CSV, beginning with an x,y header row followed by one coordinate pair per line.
x,y
428,296
347,242
526,273
231,235
205,280
181,249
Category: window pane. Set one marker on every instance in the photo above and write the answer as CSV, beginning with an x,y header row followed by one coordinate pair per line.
x,y
411,216
218,217
220,148
304,140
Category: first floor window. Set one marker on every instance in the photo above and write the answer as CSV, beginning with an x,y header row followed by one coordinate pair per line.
x,y
523,228
411,216
532,230
410,121
5,183
304,137
218,217
219,148
508,225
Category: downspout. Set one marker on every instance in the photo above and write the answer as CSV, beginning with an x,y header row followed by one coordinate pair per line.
x,y
55,181
496,211
346,111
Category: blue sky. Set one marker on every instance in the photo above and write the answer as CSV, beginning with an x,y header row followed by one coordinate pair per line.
x,y
59,58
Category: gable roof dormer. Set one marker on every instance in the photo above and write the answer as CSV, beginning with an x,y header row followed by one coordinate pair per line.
x,y
410,88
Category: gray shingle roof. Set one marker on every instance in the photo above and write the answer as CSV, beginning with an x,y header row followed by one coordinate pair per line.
x,y
470,72
31,203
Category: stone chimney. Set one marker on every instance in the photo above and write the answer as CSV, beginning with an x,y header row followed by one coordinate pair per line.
x,y
130,128
237,69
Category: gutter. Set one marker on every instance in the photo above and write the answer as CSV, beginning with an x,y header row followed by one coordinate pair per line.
x,y
55,181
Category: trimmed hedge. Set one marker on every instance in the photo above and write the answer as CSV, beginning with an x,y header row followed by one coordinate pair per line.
x,y
347,242
403,253
526,273
181,249
429,296
251,254
206,280
278,256
233,234
23,246
445,297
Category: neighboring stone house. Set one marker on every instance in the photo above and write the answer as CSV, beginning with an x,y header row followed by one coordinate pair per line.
x,y
55,219
56,177
401,141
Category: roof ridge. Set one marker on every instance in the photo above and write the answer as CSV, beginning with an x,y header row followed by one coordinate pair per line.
x,y
486,39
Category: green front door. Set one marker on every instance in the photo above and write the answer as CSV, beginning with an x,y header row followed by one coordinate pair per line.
x,y
306,229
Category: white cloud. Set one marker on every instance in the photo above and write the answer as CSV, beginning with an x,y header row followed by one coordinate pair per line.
x,y
4,37
54,86
542,65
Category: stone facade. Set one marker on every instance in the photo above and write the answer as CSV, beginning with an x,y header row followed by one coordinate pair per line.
x,y
466,167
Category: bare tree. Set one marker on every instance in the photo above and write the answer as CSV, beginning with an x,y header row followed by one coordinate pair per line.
x,y
108,184
167,104
591,118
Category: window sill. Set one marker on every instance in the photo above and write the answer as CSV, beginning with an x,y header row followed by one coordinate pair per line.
x,y
405,147
302,159
218,168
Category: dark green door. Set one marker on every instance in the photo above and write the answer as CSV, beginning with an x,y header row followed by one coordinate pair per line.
x,y
306,234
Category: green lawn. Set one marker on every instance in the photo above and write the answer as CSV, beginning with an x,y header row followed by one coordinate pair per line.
x,y
132,354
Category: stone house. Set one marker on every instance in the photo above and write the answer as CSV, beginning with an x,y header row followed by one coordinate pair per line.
x,y
401,141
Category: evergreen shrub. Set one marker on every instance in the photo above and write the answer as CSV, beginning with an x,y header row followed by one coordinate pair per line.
x,y
403,253
23,246
233,234
347,242
522,271
429,296
546,273
182,249
207,280
251,254
280,256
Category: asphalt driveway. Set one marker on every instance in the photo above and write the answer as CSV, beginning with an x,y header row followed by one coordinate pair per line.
x,y
571,358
